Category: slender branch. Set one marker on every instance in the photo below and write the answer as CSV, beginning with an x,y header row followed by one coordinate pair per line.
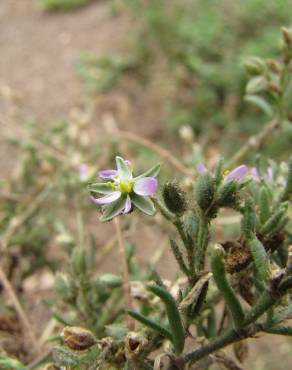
x,y
254,142
126,277
27,327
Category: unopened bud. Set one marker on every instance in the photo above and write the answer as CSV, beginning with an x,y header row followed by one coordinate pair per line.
x,y
287,36
274,66
174,197
227,194
255,66
77,339
205,190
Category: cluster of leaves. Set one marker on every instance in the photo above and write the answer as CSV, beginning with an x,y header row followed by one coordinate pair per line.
x,y
202,46
250,275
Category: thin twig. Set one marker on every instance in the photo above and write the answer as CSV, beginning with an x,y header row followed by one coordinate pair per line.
x,y
27,328
254,142
162,152
126,278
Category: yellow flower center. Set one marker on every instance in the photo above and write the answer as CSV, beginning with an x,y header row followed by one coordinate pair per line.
x,y
226,173
126,186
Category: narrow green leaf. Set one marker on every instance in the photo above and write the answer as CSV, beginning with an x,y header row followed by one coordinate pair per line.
x,y
260,258
151,324
144,204
175,322
219,274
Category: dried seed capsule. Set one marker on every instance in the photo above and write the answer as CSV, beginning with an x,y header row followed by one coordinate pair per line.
x,y
134,342
77,339
174,197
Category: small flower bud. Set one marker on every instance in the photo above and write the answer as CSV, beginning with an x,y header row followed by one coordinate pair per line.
x,y
255,66
227,194
274,66
174,197
287,36
77,339
205,190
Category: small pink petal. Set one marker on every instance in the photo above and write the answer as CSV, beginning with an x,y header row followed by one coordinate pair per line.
x,y
201,168
83,172
146,186
107,174
128,205
109,198
238,173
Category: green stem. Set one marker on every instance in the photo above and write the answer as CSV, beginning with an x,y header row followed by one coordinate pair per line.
x,y
266,301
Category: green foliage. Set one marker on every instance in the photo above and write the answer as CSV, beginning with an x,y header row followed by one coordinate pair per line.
x,y
50,5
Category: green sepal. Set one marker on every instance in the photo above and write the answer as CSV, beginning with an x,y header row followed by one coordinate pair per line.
x,y
113,209
143,203
101,187
151,324
218,172
123,170
174,319
152,172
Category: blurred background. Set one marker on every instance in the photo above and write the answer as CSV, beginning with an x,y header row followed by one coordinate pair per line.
x,y
77,79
